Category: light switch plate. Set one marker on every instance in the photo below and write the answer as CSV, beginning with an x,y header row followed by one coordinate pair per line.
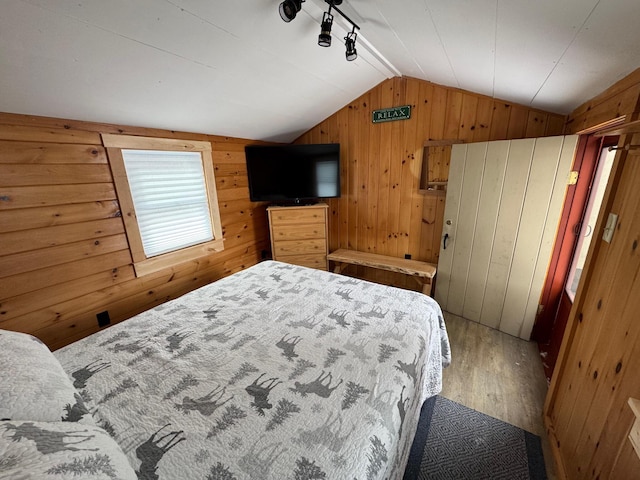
x,y
612,221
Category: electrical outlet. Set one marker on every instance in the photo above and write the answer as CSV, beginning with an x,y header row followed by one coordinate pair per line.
x,y
103,319
407,256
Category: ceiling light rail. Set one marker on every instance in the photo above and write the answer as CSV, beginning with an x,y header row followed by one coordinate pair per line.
x,y
289,9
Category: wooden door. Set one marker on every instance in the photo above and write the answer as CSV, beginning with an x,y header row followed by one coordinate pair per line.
x,y
503,205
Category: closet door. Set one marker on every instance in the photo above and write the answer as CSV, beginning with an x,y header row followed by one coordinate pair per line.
x,y
504,201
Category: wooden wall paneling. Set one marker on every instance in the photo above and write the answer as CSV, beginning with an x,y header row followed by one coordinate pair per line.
x,y
345,152
515,183
439,108
24,133
484,115
608,298
37,238
354,144
60,254
468,113
410,200
26,153
412,140
26,219
488,206
438,113
14,307
466,226
63,254
31,281
536,124
587,340
382,240
518,118
39,174
500,121
43,195
453,113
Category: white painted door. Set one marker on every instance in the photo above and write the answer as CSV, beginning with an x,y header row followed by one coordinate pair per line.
x,y
504,201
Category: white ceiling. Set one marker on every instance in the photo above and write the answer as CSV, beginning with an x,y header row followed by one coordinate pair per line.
x,y
235,68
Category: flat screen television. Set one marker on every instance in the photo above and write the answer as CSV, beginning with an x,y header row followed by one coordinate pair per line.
x,y
293,174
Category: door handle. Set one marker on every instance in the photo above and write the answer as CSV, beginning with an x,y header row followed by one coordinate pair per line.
x,y
444,241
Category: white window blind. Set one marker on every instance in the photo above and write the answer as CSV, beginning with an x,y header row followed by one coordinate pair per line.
x,y
170,199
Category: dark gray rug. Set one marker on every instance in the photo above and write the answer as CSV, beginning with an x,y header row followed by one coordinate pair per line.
x,y
454,442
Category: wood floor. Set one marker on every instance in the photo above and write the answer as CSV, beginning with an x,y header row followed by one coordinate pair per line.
x,y
498,375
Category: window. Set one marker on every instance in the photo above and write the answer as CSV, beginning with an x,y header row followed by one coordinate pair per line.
x,y
168,200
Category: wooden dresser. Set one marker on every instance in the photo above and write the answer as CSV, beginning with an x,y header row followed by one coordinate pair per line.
x,y
299,235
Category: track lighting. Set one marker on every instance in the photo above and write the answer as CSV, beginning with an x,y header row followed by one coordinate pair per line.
x,y
324,39
289,8
350,44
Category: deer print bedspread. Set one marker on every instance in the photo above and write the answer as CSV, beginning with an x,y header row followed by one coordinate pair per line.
x,y
276,372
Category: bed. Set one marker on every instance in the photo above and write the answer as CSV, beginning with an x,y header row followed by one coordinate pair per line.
x,y
275,372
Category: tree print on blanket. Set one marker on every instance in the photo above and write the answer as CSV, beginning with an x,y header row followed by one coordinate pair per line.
x,y
125,385
146,354
377,457
245,370
353,394
308,470
185,382
220,472
230,417
333,354
385,351
301,367
93,465
284,410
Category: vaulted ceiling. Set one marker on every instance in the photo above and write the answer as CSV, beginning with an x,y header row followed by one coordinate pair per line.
x,y
235,68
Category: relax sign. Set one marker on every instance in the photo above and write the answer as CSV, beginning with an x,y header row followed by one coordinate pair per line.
x,y
392,114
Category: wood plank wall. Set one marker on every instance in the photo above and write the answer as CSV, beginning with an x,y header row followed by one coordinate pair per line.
x,y
586,412
64,255
381,209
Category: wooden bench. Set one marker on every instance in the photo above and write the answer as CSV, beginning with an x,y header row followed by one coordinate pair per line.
x,y
423,272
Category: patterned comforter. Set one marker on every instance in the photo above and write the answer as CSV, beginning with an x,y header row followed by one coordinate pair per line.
x,y
276,372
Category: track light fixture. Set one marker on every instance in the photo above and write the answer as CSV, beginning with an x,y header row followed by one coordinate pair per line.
x,y
289,8
324,39
350,43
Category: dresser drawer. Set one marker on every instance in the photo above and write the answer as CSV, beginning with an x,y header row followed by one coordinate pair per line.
x,y
318,261
299,247
297,216
299,232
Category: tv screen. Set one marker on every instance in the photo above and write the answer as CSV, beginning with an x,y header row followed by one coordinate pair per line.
x,y
293,173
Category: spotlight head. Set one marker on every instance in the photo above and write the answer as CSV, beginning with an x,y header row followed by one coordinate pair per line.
x,y
324,39
289,8
350,44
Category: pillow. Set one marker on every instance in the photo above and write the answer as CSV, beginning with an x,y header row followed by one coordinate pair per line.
x,y
33,385
60,450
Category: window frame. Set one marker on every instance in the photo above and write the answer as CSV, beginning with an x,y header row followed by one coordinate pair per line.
x,y
142,264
